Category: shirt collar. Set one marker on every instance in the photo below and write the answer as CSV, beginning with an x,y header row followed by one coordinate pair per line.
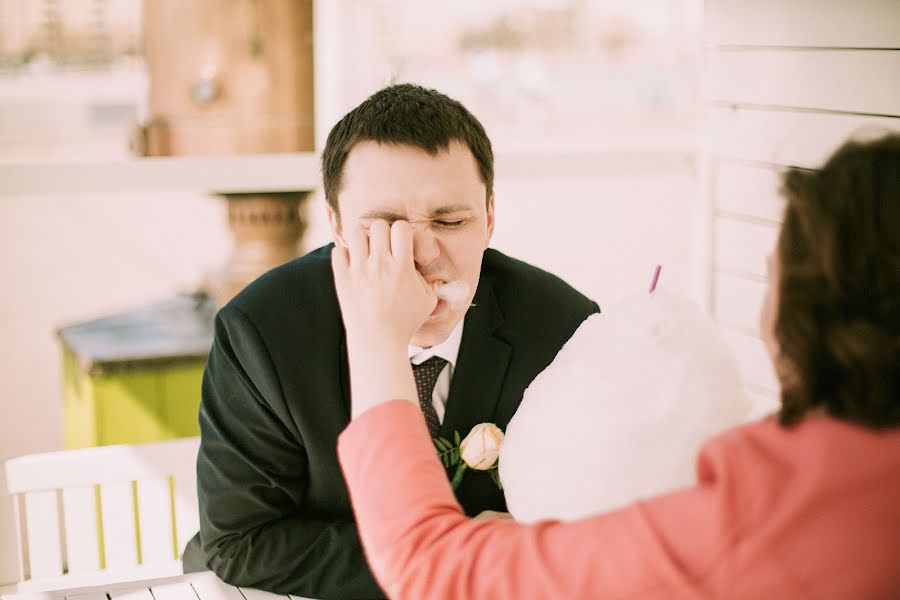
x,y
448,349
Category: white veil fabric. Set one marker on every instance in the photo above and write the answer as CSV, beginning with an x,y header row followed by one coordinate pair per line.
x,y
621,412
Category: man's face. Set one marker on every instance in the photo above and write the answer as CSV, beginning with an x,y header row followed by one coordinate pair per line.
x,y
442,196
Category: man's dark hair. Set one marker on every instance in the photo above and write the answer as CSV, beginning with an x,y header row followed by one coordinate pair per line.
x,y
410,115
838,313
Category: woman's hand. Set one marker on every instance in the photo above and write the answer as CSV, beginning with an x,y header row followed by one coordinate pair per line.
x,y
383,300
382,295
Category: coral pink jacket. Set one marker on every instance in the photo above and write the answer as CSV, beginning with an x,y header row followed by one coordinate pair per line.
x,y
811,512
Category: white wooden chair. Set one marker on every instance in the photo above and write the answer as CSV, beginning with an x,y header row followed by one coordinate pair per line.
x,y
101,515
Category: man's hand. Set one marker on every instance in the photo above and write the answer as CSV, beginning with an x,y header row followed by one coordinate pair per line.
x,y
383,300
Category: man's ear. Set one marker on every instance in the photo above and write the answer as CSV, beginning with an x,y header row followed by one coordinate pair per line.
x,y
334,220
490,221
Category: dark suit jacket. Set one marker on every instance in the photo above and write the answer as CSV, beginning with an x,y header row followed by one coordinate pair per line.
x,y
274,509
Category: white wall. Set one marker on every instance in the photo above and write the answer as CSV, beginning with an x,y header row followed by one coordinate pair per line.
x,y
784,84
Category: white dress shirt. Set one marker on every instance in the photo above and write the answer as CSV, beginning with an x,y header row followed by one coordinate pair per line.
x,y
448,350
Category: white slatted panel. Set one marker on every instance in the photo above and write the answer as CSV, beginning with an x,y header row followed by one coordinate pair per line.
x,y
87,596
82,542
210,587
820,79
743,246
173,591
155,521
752,358
737,301
749,190
119,534
42,524
786,83
139,594
815,23
786,137
187,516
254,594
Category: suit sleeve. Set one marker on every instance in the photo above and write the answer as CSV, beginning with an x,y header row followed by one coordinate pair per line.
x,y
421,545
253,474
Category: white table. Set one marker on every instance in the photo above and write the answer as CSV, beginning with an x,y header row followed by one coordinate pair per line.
x,y
194,586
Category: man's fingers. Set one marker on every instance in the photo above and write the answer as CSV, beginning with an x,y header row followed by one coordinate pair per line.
x,y
358,243
402,241
380,239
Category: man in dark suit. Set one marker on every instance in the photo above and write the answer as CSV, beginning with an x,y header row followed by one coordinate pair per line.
x,y
274,510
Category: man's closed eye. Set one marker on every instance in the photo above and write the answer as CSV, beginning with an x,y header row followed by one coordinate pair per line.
x,y
450,224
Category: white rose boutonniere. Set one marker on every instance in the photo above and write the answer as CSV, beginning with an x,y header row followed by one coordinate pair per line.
x,y
481,448
478,451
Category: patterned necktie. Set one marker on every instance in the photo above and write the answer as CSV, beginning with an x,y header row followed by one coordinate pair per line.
x,y
426,375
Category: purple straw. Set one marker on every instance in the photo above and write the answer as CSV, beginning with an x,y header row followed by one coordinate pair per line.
x,y
655,278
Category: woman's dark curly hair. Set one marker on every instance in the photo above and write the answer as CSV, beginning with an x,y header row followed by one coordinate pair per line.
x,y
838,313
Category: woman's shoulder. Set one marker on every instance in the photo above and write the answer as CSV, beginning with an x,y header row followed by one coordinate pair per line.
x,y
819,449
812,429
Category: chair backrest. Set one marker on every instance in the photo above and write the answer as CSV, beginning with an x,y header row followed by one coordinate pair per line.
x,y
99,514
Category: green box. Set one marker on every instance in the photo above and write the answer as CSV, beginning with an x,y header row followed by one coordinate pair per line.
x,y
135,377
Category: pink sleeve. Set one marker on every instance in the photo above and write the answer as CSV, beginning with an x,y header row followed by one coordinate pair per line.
x,y
420,544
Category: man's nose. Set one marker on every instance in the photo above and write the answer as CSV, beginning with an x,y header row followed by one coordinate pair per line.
x,y
425,246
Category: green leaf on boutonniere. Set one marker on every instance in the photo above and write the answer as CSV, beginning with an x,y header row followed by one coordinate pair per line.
x,y
456,439
495,477
447,453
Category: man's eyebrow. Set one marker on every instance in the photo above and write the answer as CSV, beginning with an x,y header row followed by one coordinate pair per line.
x,y
383,215
449,209
388,215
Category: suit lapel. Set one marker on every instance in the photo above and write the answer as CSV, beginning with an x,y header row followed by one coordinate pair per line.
x,y
481,366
